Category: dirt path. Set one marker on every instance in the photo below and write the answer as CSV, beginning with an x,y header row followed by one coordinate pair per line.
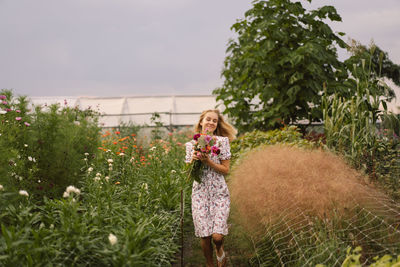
x,y
237,248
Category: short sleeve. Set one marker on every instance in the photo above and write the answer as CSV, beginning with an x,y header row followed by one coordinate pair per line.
x,y
225,149
189,152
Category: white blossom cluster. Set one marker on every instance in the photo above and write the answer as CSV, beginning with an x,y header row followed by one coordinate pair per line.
x,y
23,193
71,190
113,239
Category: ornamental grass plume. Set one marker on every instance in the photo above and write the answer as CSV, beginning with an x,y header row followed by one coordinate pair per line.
x,y
277,181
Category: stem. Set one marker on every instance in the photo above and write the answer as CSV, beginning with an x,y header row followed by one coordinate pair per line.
x,y
182,227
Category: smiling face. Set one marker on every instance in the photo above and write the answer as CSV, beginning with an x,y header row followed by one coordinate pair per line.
x,y
209,122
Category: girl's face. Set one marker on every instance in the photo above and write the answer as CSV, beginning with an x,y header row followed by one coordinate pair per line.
x,y
209,122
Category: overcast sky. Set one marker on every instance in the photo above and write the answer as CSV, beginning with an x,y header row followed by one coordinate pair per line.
x,y
145,47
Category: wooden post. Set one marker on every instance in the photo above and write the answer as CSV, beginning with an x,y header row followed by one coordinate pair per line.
x,y
182,206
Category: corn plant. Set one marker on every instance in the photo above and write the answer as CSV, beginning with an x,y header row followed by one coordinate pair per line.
x,y
352,124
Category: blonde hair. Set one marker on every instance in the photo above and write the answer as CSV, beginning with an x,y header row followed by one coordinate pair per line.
x,y
223,127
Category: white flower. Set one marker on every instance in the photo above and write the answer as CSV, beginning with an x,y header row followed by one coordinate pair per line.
x,y
51,226
107,178
18,156
85,159
122,154
110,164
73,189
96,178
41,225
39,181
151,149
113,239
86,154
25,145
173,171
110,161
1,187
30,158
110,169
33,159
132,159
23,193
66,194
90,169
145,186
3,112
98,174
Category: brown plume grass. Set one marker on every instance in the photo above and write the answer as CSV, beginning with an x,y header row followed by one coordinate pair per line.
x,y
277,181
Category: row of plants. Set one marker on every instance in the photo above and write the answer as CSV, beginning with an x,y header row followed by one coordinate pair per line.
x,y
72,195
362,129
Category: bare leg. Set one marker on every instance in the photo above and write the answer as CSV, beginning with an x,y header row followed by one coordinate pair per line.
x,y
218,240
207,250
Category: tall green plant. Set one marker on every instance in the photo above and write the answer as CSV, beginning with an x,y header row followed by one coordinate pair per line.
x,y
351,124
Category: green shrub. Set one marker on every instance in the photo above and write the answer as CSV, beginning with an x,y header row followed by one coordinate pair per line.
x,y
126,191
288,135
42,151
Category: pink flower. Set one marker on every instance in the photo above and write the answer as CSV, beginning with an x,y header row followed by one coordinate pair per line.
x,y
215,150
18,111
27,124
18,118
196,136
8,109
4,102
207,139
2,97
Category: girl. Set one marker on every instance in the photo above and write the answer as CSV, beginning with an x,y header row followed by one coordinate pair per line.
x,y
210,198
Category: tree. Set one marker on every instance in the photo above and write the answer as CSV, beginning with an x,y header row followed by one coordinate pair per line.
x,y
275,69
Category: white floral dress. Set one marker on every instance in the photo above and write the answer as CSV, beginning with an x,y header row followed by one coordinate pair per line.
x,y
210,198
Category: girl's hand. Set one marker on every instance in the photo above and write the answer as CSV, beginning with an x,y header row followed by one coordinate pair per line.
x,y
200,156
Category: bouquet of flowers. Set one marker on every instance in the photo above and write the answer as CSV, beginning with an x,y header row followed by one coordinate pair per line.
x,y
203,144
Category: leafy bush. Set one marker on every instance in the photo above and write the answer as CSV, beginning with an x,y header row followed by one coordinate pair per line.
x,y
289,135
126,212
42,150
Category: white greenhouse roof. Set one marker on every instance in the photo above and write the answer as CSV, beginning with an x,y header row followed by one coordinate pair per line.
x,y
174,110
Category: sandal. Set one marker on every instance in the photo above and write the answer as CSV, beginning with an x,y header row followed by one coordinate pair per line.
x,y
221,261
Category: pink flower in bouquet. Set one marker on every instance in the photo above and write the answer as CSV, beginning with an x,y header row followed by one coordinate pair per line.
x,y
18,118
215,150
4,102
8,109
27,124
18,111
2,97
196,136
207,139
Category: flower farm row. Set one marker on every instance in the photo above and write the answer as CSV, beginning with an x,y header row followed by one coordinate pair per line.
x,y
73,195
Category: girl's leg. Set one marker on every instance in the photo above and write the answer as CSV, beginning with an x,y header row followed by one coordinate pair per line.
x,y
207,250
218,240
